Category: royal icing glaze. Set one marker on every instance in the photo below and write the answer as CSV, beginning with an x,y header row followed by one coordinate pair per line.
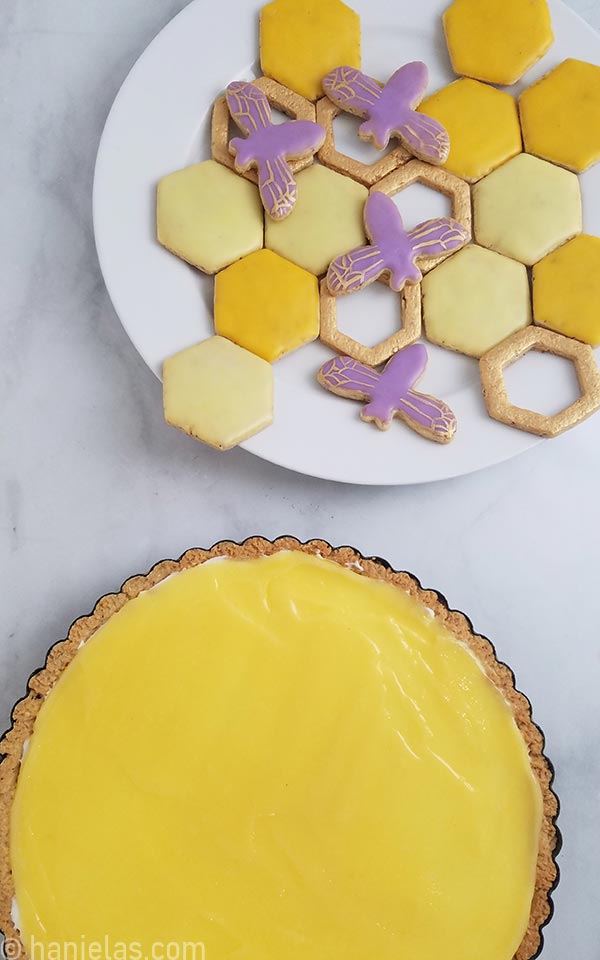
x,y
527,208
474,300
241,753
208,216
268,146
391,393
302,40
328,217
497,40
560,115
392,251
390,110
218,392
483,125
267,305
566,290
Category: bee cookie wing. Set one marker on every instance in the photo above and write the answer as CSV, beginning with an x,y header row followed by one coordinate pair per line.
x,y
248,106
352,90
424,137
435,237
348,378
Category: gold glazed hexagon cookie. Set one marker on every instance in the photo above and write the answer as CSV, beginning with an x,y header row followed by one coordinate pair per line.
x,y
483,124
437,179
327,219
218,393
566,290
527,208
290,103
492,367
267,305
497,40
560,115
410,327
208,216
302,40
475,300
330,156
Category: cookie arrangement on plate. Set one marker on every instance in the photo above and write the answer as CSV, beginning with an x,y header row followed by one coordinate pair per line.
x,y
275,750
288,224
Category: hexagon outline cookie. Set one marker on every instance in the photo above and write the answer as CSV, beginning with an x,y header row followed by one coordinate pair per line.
x,y
492,366
365,173
332,336
440,180
282,98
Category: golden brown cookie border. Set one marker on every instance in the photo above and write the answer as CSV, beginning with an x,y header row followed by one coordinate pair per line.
x,y
493,363
62,653
410,330
366,173
280,97
440,180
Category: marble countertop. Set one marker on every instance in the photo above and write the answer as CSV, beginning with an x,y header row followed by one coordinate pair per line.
x,y
94,487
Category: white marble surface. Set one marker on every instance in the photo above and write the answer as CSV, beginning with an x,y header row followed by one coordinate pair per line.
x,y
93,486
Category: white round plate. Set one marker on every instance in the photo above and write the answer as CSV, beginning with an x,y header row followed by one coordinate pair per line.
x,y
159,123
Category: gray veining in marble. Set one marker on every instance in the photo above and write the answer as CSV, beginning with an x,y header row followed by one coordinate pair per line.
x,y
94,487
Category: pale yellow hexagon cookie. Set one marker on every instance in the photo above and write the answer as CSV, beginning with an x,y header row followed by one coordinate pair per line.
x,y
267,305
208,216
327,220
497,40
218,392
560,115
527,208
483,124
302,40
566,290
474,300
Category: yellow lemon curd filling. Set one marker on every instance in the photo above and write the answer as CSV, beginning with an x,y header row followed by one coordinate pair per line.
x,y
276,759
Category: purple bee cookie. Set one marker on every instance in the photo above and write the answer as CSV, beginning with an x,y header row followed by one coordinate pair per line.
x,y
391,393
389,111
392,250
268,146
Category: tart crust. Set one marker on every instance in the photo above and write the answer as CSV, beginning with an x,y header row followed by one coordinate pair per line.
x,y
60,655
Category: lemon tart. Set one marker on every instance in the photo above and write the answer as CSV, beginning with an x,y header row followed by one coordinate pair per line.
x,y
275,751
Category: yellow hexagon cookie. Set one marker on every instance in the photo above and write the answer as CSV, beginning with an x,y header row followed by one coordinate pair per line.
x,y
302,40
209,216
218,392
497,40
474,300
527,208
566,290
560,115
267,305
327,220
483,124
